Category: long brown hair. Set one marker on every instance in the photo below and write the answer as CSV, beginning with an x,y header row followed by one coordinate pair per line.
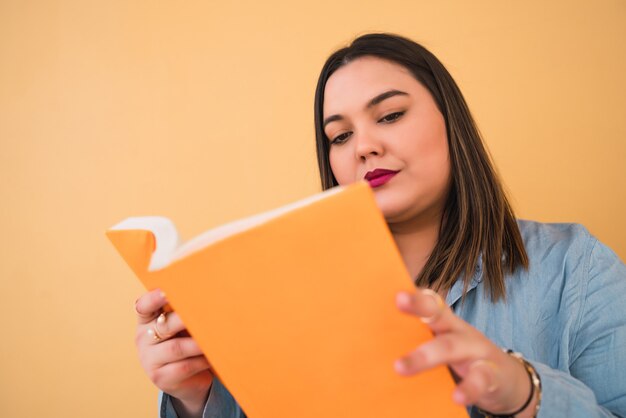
x,y
478,221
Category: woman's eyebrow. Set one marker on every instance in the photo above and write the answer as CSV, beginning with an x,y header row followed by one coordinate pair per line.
x,y
385,96
373,102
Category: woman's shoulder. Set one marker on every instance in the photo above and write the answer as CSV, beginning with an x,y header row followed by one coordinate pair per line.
x,y
565,247
553,232
570,274
555,239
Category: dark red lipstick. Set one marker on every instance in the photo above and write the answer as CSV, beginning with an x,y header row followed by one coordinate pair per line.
x,y
380,176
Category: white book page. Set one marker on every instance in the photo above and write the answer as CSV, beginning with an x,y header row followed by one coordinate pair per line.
x,y
213,235
168,249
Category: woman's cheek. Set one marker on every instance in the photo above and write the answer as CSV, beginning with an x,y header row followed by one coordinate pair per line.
x,y
339,167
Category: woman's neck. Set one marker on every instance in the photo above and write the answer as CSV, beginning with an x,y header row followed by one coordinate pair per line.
x,y
416,242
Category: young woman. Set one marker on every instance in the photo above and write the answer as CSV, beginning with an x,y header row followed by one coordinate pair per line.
x,y
529,317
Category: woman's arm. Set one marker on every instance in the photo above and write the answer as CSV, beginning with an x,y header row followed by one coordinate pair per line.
x,y
596,383
592,384
170,357
220,404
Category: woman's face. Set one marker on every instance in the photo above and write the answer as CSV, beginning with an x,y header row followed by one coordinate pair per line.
x,y
385,127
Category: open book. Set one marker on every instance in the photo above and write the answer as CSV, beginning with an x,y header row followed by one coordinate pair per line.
x,y
295,308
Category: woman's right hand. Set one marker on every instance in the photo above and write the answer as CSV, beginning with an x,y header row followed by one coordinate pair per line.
x,y
170,357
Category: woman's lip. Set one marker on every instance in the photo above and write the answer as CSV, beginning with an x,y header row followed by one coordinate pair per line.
x,y
378,181
379,172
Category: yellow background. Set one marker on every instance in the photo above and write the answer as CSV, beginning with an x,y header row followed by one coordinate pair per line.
x,y
203,111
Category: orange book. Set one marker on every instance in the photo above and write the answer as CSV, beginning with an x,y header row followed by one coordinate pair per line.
x,y
295,308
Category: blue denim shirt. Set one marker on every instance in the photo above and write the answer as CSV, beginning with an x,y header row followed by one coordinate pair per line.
x,y
566,314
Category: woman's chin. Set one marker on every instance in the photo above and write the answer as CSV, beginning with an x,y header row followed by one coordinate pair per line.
x,y
390,209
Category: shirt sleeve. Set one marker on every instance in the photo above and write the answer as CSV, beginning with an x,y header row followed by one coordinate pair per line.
x,y
596,383
220,404
166,409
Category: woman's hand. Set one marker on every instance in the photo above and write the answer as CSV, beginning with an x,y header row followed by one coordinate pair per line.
x,y
487,377
170,357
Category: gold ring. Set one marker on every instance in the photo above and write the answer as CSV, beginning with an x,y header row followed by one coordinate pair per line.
x,y
154,334
440,306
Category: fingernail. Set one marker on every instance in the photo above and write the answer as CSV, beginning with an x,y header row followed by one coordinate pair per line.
x,y
403,298
437,305
162,294
401,365
458,397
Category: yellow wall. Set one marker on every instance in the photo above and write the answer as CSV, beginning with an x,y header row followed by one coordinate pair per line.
x,y
202,111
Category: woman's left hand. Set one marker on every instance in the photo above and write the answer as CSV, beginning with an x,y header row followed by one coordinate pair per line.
x,y
487,377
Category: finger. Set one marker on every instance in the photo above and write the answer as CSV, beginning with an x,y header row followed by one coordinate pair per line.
x,y
443,349
173,350
480,380
149,306
168,325
430,307
165,326
171,375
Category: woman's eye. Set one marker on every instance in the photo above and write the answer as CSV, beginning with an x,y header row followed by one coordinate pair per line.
x,y
340,139
392,117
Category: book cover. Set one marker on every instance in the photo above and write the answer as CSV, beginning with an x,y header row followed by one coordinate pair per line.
x,y
296,310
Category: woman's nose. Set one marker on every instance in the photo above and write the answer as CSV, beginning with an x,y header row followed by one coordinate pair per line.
x,y
367,145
